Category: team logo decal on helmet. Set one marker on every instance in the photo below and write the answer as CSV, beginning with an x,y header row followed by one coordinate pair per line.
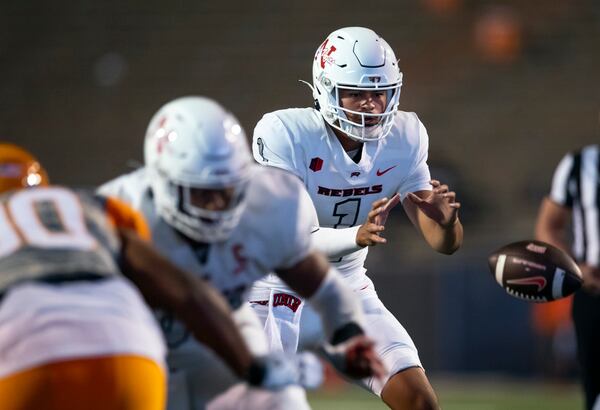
x,y
163,135
356,58
326,54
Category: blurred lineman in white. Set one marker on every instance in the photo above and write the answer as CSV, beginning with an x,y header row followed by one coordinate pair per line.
x,y
358,156
215,213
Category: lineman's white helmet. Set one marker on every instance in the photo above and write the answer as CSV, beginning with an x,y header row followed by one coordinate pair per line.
x,y
356,58
193,142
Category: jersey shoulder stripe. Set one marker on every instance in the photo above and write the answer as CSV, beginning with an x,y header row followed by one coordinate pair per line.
x,y
121,215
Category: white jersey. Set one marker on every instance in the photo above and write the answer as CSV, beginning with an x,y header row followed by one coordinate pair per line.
x,y
299,141
273,232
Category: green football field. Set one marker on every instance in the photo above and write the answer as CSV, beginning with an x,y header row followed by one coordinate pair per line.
x,y
466,395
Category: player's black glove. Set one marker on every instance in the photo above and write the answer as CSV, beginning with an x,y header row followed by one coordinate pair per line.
x,y
276,371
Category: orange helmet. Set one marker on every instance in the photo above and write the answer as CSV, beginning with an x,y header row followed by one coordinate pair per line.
x,y
19,169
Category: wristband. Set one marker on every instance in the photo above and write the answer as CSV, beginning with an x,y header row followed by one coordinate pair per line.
x,y
346,332
256,372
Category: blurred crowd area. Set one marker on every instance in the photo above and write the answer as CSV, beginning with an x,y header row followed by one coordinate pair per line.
x,y
505,88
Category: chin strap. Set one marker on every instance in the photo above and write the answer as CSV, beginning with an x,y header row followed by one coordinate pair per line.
x,y
317,105
309,85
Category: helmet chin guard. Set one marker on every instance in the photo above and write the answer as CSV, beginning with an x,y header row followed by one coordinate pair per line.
x,y
194,143
356,58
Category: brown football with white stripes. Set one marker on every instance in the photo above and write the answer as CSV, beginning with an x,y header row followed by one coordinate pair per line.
x,y
535,271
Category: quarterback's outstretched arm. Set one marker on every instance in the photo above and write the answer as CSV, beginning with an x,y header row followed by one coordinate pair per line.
x,y
336,243
435,214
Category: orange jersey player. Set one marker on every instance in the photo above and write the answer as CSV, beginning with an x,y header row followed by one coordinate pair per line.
x,y
75,331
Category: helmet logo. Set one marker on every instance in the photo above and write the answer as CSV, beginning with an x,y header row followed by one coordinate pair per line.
x,y
163,137
326,53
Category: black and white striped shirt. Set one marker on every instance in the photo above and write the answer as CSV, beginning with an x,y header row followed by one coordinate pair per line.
x,y
575,185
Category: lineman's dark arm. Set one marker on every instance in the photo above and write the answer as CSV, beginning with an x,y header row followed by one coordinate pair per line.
x,y
192,300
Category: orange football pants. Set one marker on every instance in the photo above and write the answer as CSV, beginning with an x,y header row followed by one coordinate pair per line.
x,y
101,383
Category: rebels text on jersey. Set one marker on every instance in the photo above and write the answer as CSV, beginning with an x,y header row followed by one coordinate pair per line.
x,y
299,141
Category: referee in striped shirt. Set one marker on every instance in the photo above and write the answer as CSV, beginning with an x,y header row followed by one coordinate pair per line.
x,y
573,206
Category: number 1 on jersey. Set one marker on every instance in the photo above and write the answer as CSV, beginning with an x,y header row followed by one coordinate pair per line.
x,y
347,212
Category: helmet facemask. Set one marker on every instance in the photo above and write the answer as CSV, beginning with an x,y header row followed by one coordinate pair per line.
x,y
214,225
196,222
362,131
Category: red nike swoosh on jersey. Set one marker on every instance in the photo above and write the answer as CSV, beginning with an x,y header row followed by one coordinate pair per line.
x,y
380,173
539,281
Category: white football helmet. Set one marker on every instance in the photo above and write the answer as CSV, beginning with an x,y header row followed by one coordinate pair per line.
x,y
356,58
194,143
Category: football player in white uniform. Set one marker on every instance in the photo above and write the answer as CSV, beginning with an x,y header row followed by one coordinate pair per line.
x,y
358,156
215,213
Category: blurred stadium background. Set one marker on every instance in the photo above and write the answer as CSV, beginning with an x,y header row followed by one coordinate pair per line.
x,y
505,88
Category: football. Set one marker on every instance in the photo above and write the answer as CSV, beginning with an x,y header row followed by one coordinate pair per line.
x,y
535,271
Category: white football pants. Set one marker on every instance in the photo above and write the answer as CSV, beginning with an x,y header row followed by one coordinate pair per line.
x,y
302,329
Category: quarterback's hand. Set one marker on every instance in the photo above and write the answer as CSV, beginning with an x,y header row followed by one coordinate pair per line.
x,y
381,218
591,278
356,358
368,232
440,205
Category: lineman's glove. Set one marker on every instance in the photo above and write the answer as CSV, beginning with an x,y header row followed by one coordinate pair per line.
x,y
276,371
